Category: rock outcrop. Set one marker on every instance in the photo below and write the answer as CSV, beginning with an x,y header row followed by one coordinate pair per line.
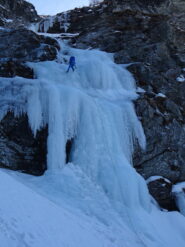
x,y
161,189
19,150
21,45
18,44
25,45
14,13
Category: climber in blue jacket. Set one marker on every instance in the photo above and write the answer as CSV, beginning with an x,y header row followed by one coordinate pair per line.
x,y
72,64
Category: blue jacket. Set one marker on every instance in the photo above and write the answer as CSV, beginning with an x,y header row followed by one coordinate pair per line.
x,y
72,61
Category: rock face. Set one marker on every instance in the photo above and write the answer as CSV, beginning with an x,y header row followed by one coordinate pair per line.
x,y
24,45
21,45
161,190
14,13
19,150
150,34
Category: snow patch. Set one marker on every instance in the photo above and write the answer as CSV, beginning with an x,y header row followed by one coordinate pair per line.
x,y
161,95
179,187
154,178
1,6
180,78
59,35
8,20
140,90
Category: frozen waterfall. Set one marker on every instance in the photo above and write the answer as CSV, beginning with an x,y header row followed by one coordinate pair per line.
x,y
94,107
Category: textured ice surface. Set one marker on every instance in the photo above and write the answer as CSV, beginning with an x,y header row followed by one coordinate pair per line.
x,y
94,106
179,194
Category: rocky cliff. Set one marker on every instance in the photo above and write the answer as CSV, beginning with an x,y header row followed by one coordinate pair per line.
x,y
149,37
17,13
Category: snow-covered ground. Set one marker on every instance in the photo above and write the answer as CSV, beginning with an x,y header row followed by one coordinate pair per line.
x,y
30,220
97,199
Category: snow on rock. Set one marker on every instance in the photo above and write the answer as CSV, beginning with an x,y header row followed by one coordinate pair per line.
x,y
161,95
8,20
1,6
180,78
140,90
58,35
4,29
154,178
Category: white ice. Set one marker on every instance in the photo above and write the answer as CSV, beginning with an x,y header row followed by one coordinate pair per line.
x,y
94,107
179,194
180,78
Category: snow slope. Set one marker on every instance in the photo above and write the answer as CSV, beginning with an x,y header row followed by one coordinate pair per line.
x,y
30,220
99,189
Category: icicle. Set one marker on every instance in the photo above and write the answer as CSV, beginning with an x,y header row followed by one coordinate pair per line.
x,y
34,110
56,141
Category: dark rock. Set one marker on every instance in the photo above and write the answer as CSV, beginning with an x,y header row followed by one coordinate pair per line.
x,y
15,13
161,190
24,45
12,68
19,150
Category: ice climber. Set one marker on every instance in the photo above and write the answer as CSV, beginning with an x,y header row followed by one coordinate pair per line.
x,y
72,64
